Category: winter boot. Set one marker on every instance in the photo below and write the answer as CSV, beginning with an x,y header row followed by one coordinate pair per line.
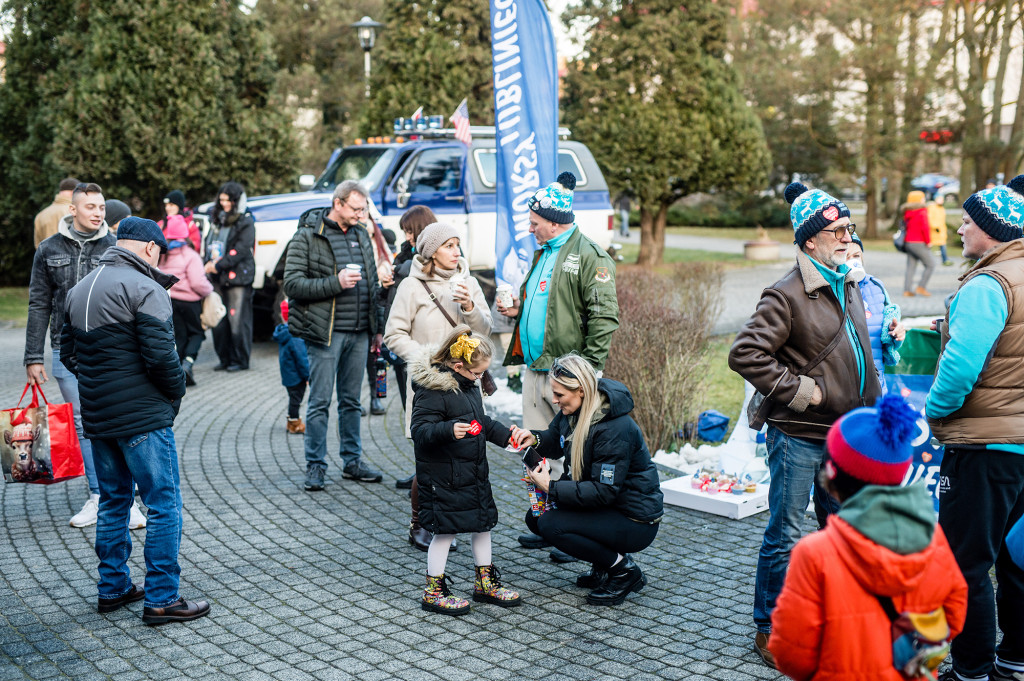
x,y
438,598
186,366
488,588
623,578
296,426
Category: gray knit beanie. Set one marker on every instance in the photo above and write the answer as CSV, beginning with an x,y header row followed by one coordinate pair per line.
x,y
433,237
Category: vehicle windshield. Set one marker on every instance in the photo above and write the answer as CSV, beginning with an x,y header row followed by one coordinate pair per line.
x,y
366,164
487,160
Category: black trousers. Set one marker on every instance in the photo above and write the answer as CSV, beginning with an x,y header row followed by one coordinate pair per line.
x,y
295,395
232,338
188,328
595,536
981,496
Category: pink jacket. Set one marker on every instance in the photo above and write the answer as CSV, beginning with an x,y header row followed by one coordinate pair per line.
x,y
185,264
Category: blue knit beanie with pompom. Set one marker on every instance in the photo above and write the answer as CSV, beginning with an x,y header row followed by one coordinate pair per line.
x,y
812,210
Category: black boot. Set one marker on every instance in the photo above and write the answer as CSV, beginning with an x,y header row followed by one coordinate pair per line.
x,y
186,366
623,578
377,406
593,579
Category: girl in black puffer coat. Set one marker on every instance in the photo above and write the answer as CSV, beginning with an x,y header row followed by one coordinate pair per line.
x,y
450,432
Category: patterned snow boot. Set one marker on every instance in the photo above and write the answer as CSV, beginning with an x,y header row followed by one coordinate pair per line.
x,y
488,588
437,597
296,426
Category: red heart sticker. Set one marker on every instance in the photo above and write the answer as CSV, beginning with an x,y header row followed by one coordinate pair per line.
x,y
543,285
831,213
475,427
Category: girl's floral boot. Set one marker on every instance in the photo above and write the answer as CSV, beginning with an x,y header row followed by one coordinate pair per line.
x,y
488,588
438,598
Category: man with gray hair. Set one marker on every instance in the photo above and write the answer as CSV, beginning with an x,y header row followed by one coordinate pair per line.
x,y
330,278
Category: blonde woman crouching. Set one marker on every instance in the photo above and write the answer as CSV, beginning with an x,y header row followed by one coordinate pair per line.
x,y
608,503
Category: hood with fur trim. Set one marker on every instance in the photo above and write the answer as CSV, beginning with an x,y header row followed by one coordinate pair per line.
x,y
431,376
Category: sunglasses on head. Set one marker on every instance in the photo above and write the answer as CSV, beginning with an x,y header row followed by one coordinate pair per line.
x,y
559,371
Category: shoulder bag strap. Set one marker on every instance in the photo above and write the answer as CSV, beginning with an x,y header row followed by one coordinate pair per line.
x,y
439,305
887,605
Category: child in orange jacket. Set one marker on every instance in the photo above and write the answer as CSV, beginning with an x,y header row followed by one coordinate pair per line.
x,y
828,622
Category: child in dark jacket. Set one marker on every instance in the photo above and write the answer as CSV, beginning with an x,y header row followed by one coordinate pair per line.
x,y
450,432
882,551
294,364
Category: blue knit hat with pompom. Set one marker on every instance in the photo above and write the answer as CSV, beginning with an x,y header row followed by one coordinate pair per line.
x,y
999,211
812,210
875,444
554,202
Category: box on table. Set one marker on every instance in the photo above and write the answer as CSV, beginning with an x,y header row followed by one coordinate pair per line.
x,y
679,492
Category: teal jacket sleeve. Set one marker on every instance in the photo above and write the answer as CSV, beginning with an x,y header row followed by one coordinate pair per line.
x,y
977,316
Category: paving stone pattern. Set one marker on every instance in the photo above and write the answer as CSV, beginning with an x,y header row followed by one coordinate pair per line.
x,y
324,585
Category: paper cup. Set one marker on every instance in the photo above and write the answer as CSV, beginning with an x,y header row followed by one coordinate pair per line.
x,y
504,296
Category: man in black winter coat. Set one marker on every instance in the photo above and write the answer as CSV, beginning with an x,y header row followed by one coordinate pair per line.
x,y
330,278
118,339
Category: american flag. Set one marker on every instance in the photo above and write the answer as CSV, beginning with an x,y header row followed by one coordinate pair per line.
x,y
461,120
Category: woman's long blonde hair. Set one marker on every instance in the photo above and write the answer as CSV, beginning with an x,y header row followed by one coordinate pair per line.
x,y
575,373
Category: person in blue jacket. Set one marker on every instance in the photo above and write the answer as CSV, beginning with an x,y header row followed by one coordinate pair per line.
x,y
881,313
294,365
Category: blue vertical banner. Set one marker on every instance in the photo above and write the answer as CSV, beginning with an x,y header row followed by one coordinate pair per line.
x,y
525,66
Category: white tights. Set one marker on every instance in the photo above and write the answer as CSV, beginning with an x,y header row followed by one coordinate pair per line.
x,y
437,554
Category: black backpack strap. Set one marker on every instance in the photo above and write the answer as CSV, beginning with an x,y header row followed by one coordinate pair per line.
x,y
887,605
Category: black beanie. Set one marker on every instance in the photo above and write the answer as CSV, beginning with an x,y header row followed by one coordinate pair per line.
x,y
177,197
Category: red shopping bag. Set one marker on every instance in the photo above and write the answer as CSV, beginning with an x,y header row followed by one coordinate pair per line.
x,y
38,444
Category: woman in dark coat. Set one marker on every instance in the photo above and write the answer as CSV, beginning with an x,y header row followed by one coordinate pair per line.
x,y
232,266
608,502
450,432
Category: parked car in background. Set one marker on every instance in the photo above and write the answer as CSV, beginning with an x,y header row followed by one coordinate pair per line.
x,y
930,183
949,192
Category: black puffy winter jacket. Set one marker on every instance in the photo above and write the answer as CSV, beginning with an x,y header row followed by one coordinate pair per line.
x,y
452,475
119,340
617,468
237,267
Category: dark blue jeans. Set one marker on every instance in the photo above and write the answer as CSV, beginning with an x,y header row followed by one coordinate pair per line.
x,y
151,459
793,463
338,366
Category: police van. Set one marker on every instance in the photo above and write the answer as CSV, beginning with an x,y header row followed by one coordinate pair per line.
x,y
425,167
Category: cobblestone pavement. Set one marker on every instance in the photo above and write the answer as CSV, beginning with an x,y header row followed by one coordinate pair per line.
x,y
324,586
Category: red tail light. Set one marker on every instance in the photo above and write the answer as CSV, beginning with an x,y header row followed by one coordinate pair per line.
x,y
611,219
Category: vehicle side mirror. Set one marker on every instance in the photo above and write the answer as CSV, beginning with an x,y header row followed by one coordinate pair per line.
x,y
307,181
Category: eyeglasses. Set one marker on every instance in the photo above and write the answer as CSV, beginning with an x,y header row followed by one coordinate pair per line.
x,y
357,211
559,371
477,375
840,232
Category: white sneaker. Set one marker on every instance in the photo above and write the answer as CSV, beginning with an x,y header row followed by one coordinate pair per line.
x,y
87,516
136,521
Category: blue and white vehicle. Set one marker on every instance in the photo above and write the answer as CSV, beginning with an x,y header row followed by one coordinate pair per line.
x,y
431,169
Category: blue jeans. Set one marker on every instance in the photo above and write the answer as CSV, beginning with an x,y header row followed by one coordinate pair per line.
x,y
793,463
151,459
68,384
339,366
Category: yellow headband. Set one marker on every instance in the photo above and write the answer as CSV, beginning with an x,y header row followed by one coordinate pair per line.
x,y
463,348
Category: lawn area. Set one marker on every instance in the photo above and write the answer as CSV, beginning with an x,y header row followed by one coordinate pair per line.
x,y
630,252
784,235
13,306
724,387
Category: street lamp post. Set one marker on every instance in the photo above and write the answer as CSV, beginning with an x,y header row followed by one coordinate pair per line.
x,y
366,31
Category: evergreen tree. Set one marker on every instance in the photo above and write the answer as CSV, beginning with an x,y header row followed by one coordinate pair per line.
x,y
656,101
170,94
320,66
28,176
431,54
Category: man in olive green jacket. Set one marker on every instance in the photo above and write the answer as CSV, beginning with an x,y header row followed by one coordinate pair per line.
x,y
566,304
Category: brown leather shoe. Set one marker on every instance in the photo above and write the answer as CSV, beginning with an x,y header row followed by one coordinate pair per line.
x,y
908,294
136,593
761,646
419,537
922,291
179,611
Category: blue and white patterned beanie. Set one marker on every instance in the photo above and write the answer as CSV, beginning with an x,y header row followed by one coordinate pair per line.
x,y
999,211
554,202
812,211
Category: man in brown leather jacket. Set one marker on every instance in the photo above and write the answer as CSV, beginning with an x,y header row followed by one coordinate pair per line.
x,y
806,349
976,409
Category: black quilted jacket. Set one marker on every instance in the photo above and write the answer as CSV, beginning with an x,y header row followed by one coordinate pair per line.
x,y
311,281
